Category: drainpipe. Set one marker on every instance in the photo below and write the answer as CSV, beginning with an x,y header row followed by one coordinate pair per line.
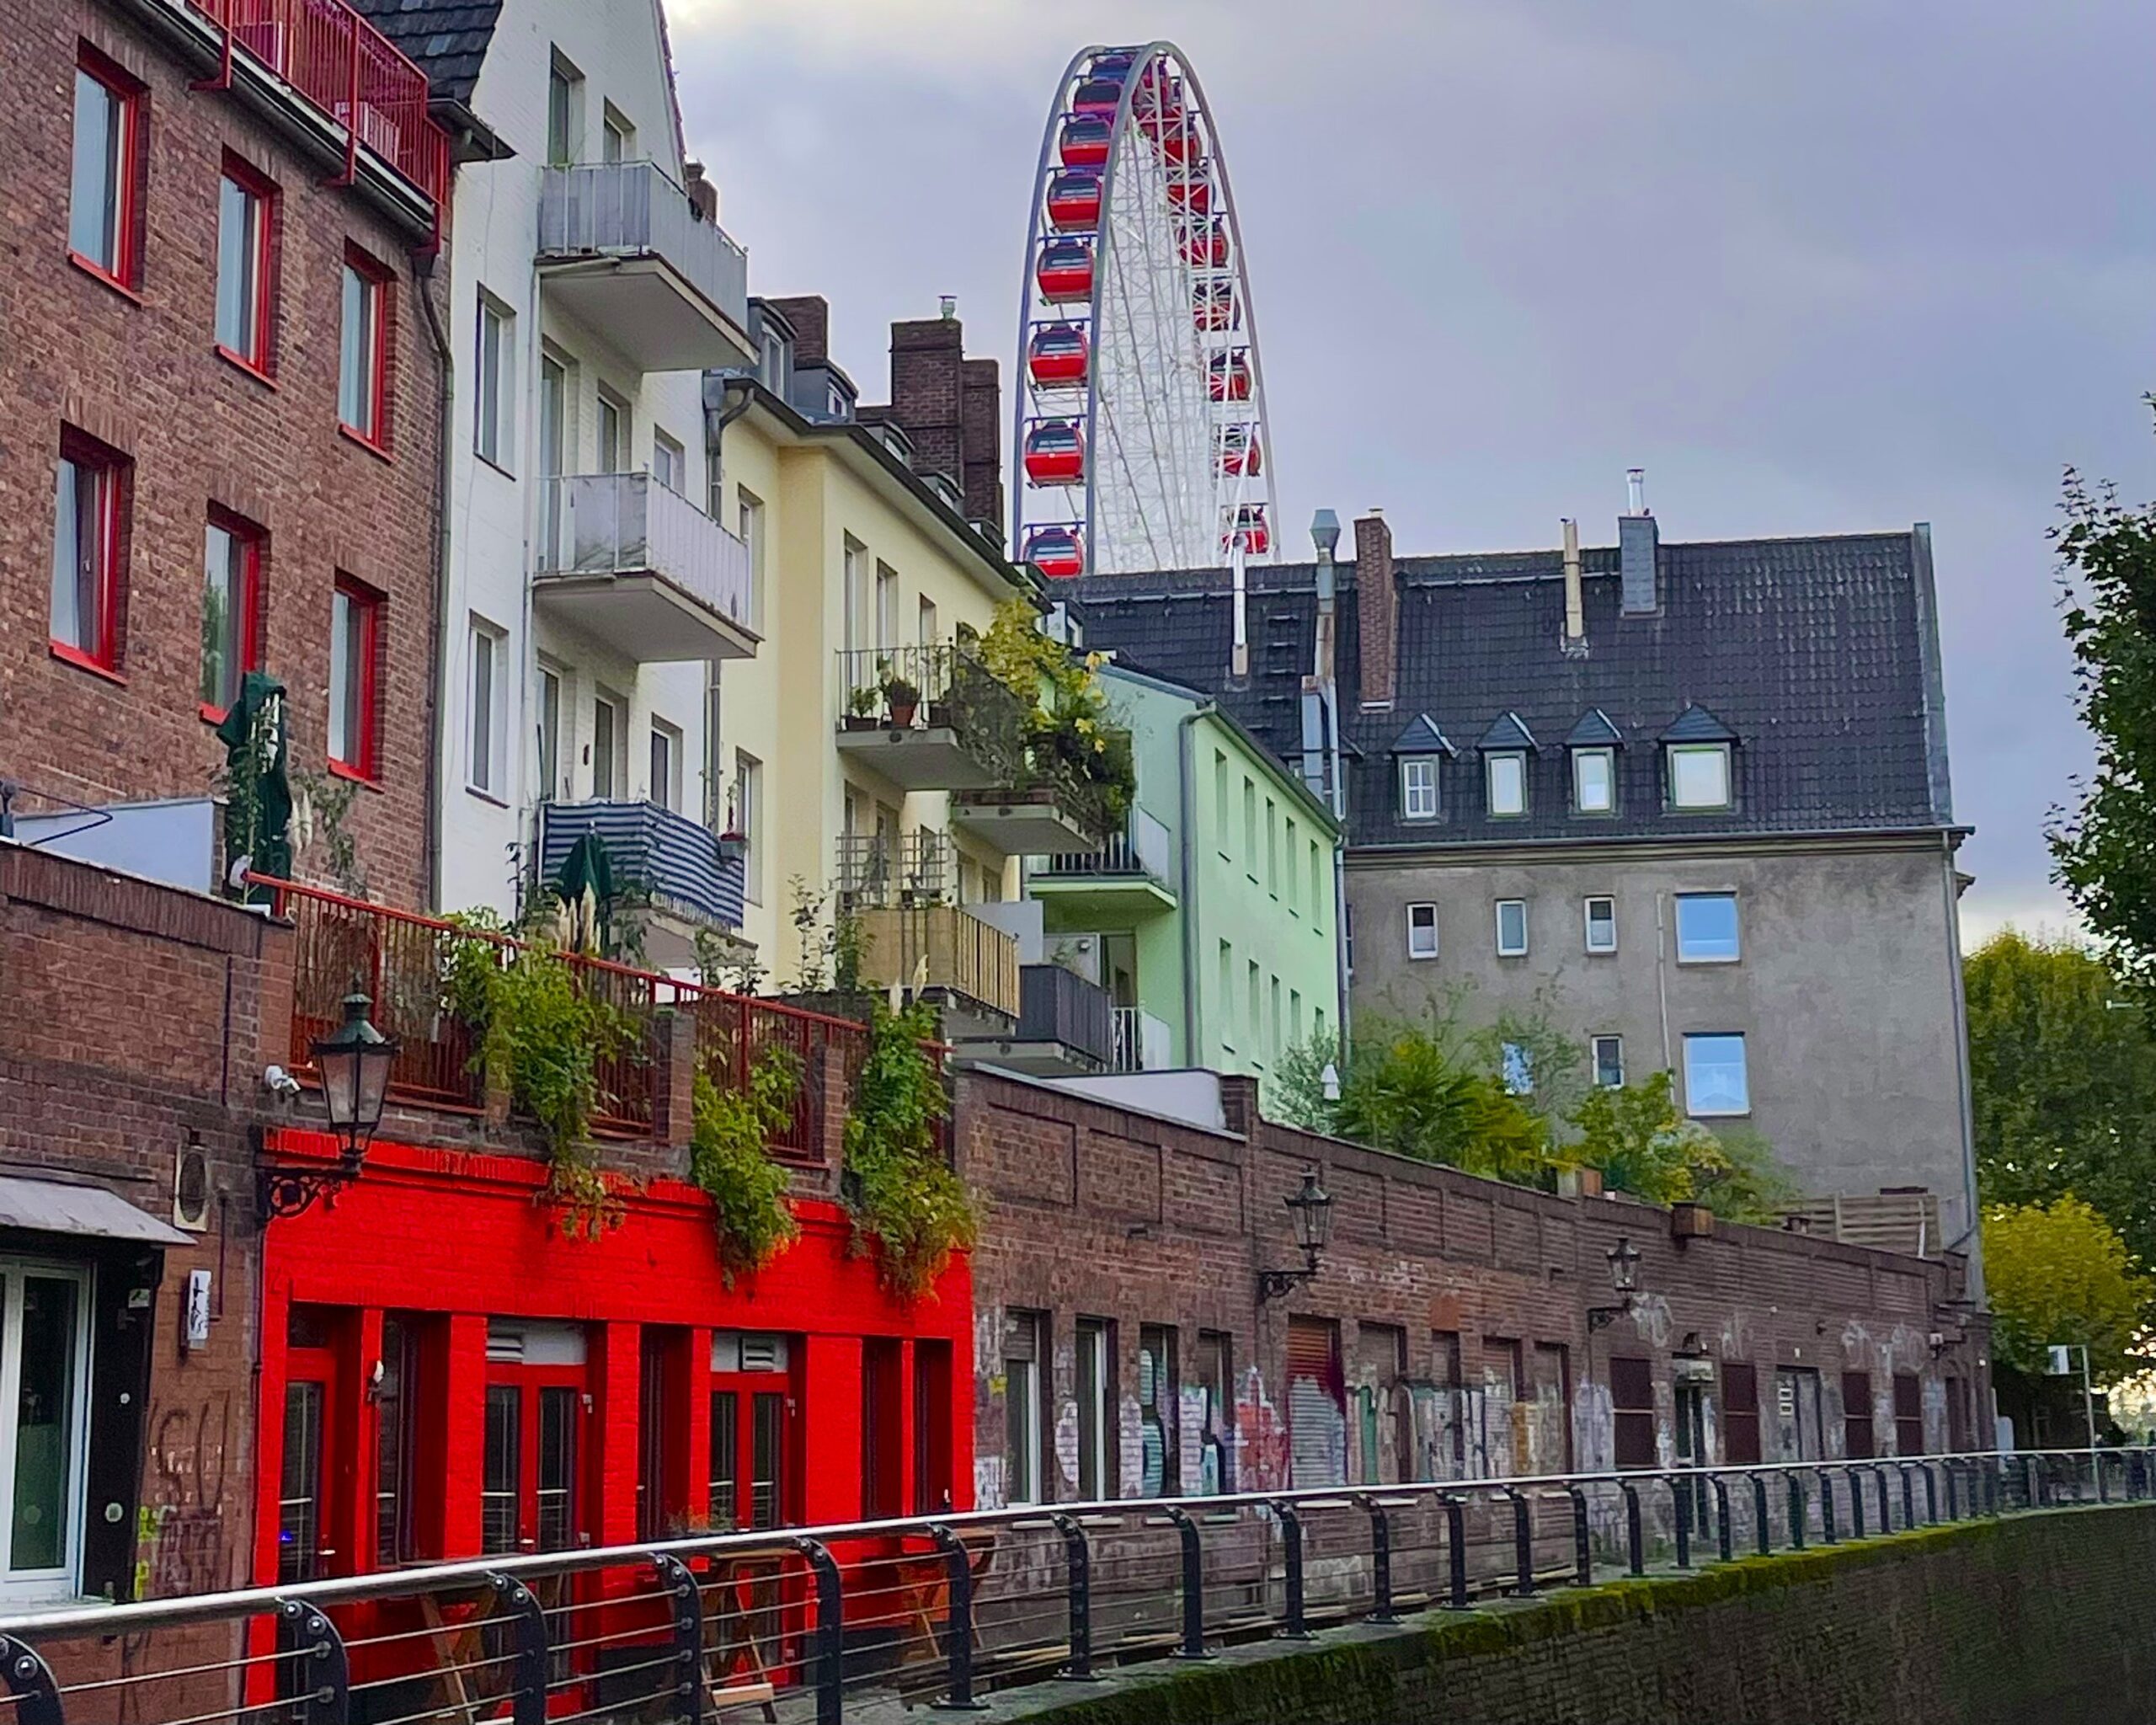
x,y
715,425
423,271
1186,761
1969,1237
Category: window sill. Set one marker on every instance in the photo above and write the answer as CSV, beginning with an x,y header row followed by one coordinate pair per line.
x,y
98,273
488,461
339,769
380,451
1689,963
83,661
245,367
486,796
1418,958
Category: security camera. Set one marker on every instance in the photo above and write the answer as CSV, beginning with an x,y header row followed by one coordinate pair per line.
x,y
280,1083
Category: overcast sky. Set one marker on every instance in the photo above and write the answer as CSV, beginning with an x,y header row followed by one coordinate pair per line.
x,y
1818,265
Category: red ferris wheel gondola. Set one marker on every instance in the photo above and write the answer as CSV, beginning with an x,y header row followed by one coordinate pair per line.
x,y
1055,453
1242,454
1190,191
1056,356
1065,271
1203,245
1213,305
1227,375
1074,201
1057,552
1249,530
1100,96
1085,139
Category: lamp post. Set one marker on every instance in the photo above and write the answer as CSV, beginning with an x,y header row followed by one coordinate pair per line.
x,y
1624,1259
353,1060
1311,1206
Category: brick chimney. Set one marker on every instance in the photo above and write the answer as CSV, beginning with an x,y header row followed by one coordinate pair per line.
x,y
1377,608
1639,547
810,315
928,364
982,421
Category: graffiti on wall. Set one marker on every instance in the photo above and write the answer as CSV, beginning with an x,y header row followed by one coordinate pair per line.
x,y
188,1528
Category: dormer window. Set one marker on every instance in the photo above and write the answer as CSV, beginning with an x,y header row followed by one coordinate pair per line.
x,y
1594,781
1505,774
1698,775
1418,788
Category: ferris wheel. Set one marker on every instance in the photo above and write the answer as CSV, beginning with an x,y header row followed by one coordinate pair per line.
x,y
1140,440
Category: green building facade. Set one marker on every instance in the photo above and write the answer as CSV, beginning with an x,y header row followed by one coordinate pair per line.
x,y
1214,920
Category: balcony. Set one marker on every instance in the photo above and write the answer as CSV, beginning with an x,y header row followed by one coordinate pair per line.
x,y
1065,1027
919,867
622,249
1126,881
1141,1043
961,730
636,564
942,946
674,859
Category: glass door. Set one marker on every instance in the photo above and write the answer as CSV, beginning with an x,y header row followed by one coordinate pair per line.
x,y
44,1366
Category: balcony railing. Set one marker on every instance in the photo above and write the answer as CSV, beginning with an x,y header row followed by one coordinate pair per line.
x,y
637,211
942,946
674,859
338,64
1056,1005
598,525
917,868
955,693
1141,1042
1141,851
403,962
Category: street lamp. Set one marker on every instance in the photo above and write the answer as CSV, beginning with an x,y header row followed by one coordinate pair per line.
x,y
1311,1206
1624,1259
353,1060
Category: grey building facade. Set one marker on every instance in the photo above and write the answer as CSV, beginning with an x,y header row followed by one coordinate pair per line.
x,y
1690,801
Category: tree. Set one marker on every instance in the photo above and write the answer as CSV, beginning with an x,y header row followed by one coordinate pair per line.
x,y
2104,850
2059,1273
1417,1091
1636,1136
2062,1075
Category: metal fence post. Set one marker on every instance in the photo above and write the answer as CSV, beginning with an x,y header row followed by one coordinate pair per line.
x,y
1634,1535
1381,1610
1951,1469
29,1680
1762,1532
688,1634
1855,1478
1680,1491
1291,1567
1798,1515
527,1665
830,1664
1455,1507
1582,1544
957,1623
1909,1498
1722,1518
1886,1502
1522,1540
1193,1586
2096,1458
1827,1534
2032,1481
1078,1588
313,1669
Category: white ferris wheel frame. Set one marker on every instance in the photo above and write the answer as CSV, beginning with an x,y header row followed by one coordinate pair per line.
x,y
1154,494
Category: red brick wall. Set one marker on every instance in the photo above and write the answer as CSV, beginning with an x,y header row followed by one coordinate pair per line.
x,y
1094,1210
142,375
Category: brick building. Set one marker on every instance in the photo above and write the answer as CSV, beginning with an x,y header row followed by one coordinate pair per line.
x,y
221,450
1121,1348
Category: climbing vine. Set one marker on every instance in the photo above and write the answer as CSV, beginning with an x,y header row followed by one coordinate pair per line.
x,y
541,1038
908,1208
729,1159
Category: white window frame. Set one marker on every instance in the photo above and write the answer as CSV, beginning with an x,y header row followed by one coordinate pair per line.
x,y
1587,922
1718,752
618,747
493,385
546,736
614,427
667,795
1677,929
1097,1445
1429,927
1516,949
564,112
670,461
46,1585
618,137
1608,758
1594,1046
748,821
748,518
1692,1106
1418,788
1022,1378
486,772
1516,759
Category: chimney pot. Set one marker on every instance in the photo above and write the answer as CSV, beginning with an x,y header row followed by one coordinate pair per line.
x,y
1575,599
1636,490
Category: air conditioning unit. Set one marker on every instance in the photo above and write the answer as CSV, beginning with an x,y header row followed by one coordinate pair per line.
x,y
191,1188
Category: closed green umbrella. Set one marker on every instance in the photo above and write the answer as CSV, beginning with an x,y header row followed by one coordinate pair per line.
x,y
586,884
258,786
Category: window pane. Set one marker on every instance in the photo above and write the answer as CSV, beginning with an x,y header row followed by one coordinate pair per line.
x,y
483,672
501,1468
1422,931
602,750
550,734
299,1517
358,358
224,600
556,1483
767,1443
1706,928
342,685
1609,1061
1507,784
1591,780
239,214
1602,925
393,1449
1699,776
74,557
44,1423
1512,927
100,150
1714,1079
725,1476
1518,1071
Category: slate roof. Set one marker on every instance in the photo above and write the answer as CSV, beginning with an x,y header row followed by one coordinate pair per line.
x,y
1422,737
1820,655
446,38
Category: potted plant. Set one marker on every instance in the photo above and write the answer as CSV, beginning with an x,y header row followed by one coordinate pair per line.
x,y
902,698
861,708
733,846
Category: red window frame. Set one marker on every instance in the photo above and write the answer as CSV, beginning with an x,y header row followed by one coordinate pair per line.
x,y
366,606
132,98
254,540
262,362
113,475
376,277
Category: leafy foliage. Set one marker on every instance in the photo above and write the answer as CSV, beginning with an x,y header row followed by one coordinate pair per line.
x,y
908,1207
728,1159
1067,720
1421,1091
2059,1273
1635,1135
541,1037
2103,851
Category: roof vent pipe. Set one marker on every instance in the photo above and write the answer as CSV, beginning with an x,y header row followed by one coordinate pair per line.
x,y
1575,600
1636,490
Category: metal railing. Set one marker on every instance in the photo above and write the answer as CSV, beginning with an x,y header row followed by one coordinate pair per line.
x,y
940,946
347,70
1141,851
625,524
1141,1042
919,867
637,209
1056,1005
846,1620
407,963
